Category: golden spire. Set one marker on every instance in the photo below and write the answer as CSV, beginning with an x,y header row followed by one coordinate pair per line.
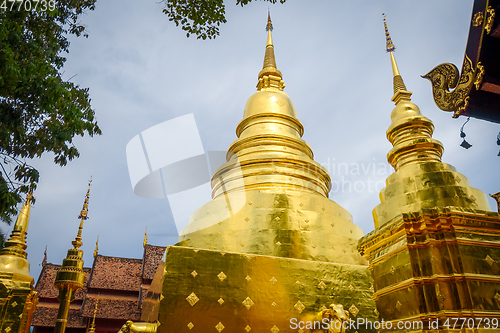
x,y
71,276
44,261
16,245
400,92
421,180
96,246
270,77
145,238
83,216
92,326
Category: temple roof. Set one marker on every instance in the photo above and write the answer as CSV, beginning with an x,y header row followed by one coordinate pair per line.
x,y
45,283
116,273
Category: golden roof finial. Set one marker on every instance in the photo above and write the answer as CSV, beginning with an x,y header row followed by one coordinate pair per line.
x,y
16,245
44,261
92,326
96,246
83,216
145,238
400,92
270,77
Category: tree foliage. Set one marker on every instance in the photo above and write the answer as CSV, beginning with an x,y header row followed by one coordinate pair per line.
x,y
201,18
39,111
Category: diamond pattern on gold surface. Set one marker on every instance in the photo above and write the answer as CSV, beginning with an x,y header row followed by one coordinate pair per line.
x,y
333,225
297,283
277,218
221,301
7,329
393,270
322,285
273,280
275,329
278,243
276,202
194,273
250,203
299,306
354,310
472,198
441,297
219,327
190,325
372,289
300,331
242,244
398,305
306,220
223,253
248,278
313,246
497,297
274,304
247,219
489,260
222,276
248,303
192,299
351,288
248,256
196,251
162,297
376,312
301,204
14,304
248,328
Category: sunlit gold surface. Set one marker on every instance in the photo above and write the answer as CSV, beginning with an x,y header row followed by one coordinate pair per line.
x,y
17,295
71,276
434,250
259,291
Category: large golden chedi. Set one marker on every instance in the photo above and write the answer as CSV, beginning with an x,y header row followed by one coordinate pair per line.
x,y
270,250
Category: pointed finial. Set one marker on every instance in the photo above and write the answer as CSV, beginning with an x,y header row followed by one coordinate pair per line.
x,y
16,245
270,77
145,238
400,92
389,45
96,246
92,326
44,261
83,216
269,25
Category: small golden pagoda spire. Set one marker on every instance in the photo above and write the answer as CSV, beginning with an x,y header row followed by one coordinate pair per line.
x,y
92,326
421,180
16,245
71,276
44,261
270,77
145,238
96,246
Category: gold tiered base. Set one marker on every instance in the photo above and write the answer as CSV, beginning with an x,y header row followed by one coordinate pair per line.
x,y
287,224
205,291
17,300
437,264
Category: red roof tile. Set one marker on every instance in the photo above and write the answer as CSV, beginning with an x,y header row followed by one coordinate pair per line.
x,y
115,273
112,307
46,315
45,283
153,255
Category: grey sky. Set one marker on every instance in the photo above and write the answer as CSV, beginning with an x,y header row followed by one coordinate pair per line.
x,y
142,70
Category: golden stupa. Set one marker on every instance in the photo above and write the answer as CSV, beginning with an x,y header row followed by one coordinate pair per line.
x,y
270,250
18,297
435,250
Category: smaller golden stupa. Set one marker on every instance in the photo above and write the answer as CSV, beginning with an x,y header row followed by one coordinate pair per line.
x,y
17,295
71,276
435,251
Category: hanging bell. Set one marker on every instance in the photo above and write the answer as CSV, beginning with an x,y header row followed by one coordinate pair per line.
x,y
465,144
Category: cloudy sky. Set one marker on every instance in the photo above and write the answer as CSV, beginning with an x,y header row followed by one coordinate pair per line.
x,y
141,71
